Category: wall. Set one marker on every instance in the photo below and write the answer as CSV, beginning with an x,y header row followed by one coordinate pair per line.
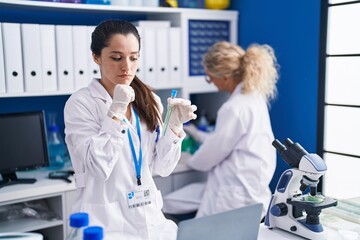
x,y
292,29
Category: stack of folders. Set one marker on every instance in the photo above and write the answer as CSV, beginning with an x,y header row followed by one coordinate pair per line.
x,y
39,58
160,54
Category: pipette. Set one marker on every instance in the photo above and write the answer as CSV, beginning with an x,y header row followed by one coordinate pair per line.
x,y
169,111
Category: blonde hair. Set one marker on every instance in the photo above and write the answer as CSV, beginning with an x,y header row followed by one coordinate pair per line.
x,y
256,67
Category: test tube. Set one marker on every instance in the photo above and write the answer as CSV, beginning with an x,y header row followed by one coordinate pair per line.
x,y
168,112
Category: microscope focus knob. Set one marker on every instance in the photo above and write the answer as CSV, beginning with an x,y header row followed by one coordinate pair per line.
x,y
279,209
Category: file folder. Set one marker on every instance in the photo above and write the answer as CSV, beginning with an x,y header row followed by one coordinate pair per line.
x,y
64,57
48,57
162,57
175,56
2,67
150,56
14,76
31,53
94,70
141,65
81,54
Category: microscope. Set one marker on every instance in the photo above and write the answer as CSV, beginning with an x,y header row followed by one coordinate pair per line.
x,y
291,208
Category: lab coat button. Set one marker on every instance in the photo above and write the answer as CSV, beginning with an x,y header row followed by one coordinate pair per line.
x,y
123,131
175,142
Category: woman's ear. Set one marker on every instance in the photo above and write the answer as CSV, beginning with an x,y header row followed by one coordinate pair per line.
x,y
96,59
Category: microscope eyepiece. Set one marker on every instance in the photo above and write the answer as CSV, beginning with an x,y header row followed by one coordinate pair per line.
x,y
291,152
288,142
279,146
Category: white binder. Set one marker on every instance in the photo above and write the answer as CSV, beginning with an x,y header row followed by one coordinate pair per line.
x,y
2,67
141,65
31,53
48,57
162,57
14,75
94,70
64,57
150,56
81,54
175,56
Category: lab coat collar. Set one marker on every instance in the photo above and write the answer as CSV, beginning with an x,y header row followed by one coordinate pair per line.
x,y
98,91
238,89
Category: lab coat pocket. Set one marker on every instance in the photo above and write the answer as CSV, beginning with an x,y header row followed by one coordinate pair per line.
x,y
107,215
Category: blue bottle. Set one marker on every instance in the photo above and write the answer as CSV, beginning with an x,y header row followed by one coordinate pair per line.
x,y
78,222
56,147
93,233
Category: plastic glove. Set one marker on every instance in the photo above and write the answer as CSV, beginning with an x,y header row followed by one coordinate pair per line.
x,y
198,135
182,111
123,95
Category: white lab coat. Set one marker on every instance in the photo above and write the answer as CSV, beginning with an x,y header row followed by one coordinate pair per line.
x,y
238,156
104,167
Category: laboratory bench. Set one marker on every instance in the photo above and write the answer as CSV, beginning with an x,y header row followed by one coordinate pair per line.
x,y
278,234
58,196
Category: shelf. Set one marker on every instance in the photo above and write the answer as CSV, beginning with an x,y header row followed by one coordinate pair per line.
x,y
34,94
48,6
27,225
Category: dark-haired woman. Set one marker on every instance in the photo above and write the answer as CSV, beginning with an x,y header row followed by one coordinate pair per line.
x,y
113,134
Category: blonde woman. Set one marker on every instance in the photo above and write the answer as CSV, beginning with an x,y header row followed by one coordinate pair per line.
x,y
238,155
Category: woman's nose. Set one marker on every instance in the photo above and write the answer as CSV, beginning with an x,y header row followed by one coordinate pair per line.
x,y
126,65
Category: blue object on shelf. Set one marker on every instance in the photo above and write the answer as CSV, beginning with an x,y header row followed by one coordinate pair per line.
x,y
101,2
202,35
191,3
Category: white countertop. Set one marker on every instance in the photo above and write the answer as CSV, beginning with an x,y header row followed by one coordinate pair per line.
x,y
278,234
44,185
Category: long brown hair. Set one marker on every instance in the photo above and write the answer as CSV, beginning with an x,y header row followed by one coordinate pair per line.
x,y
145,103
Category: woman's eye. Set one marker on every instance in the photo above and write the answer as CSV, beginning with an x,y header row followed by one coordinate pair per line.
x,y
116,59
134,59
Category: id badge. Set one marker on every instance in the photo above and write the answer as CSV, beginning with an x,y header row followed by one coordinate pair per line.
x,y
139,197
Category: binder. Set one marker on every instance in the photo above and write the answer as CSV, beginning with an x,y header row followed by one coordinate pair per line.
x,y
175,56
64,57
31,53
2,67
81,54
48,57
162,57
150,56
93,68
13,57
141,65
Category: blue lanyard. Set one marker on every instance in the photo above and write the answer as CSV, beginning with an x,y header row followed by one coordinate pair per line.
x,y
137,161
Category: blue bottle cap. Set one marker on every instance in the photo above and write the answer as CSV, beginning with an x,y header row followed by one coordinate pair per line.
x,y
173,93
93,233
79,220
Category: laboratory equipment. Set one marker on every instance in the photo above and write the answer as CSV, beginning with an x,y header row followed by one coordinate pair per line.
x,y
93,233
78,222
23,145
217,4
56,147
289,202
168,112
